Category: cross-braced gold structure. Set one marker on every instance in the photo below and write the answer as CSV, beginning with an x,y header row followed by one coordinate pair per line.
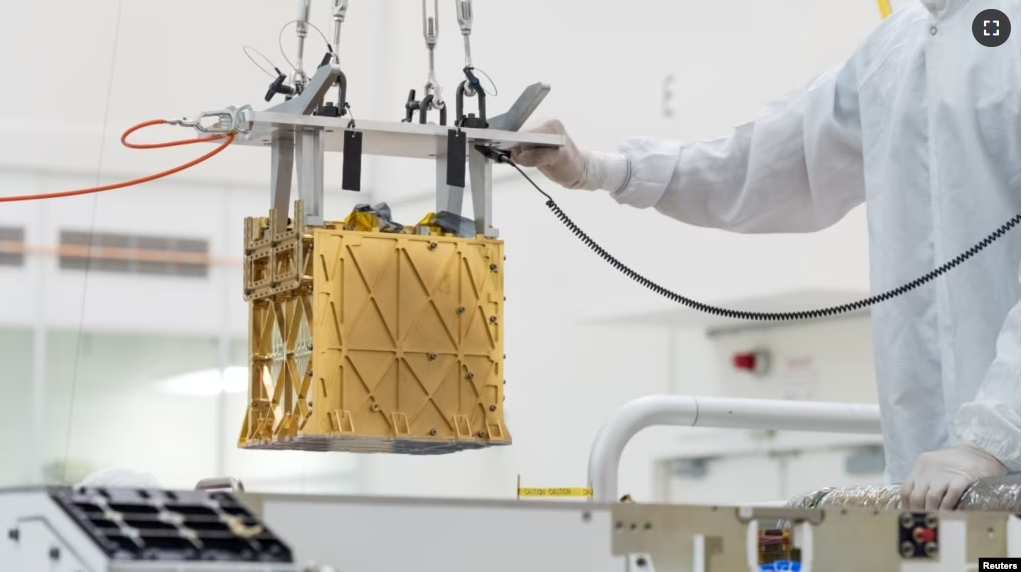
x,y
371,341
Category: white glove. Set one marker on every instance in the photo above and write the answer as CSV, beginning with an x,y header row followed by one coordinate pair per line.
x,y
565,166
939,478
570,167
120,479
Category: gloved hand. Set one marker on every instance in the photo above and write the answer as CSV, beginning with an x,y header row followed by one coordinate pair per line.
x,y
565,166
939,478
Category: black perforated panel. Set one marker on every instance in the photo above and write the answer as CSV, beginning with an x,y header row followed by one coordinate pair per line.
x,y
131,524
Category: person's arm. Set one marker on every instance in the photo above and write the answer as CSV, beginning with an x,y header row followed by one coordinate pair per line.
x,y
797,168
992,422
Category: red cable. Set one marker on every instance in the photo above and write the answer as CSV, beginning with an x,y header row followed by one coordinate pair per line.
x,y
228,139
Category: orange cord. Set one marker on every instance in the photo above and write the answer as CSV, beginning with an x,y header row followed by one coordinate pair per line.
x,y
124,137
228,139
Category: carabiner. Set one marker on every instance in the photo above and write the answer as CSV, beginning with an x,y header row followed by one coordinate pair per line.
x,y
228,120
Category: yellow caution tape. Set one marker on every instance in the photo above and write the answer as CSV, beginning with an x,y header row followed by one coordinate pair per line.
x,y
556,492
553,491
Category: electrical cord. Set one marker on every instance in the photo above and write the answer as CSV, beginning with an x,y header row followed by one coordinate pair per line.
x,y
489,79
228,139
504,157
256,64
280,42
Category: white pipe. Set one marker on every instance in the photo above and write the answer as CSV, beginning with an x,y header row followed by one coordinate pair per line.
x,y
724,413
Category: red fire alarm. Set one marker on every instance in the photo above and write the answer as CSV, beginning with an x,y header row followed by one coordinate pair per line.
x,y
756,362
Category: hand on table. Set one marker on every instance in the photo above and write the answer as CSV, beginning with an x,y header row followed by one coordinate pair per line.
x,y
939,478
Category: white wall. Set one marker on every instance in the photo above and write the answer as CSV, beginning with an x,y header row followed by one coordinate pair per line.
x,y
829,360
607,72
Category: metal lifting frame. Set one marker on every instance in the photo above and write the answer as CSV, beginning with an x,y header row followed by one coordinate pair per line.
x,y
723,413
305,145
299,142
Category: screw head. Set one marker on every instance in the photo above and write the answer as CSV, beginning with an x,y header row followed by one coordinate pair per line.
x,y
930,549
493,408
432,246
376,406
493,319
13,534
432,432
461,309
907,549
54,553
480,434
640,562
470,376
493,267
432,356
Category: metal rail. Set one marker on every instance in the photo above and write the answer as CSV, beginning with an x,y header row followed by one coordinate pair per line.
x,y
723,413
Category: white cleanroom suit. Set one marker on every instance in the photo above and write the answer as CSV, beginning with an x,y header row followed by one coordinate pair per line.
x,y
921,124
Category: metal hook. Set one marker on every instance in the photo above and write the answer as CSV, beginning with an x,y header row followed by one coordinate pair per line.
x,y
228,120
351,117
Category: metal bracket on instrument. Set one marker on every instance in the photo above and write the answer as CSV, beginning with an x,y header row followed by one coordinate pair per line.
x,y
298,138
302,147
480,169
312,94
522,109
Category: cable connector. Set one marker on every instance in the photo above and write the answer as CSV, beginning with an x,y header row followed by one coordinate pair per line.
x,y
494,154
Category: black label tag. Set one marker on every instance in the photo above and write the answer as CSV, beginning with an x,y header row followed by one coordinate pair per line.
x,y
351,167
456,158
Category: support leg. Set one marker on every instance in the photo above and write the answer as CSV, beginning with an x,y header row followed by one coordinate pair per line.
x,y
311,156
283,159
481,176
448,198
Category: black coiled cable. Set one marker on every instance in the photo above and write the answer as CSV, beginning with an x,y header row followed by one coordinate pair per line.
x,y
760,316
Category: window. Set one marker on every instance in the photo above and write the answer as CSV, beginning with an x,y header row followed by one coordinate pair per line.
x,y
130,254
12,246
